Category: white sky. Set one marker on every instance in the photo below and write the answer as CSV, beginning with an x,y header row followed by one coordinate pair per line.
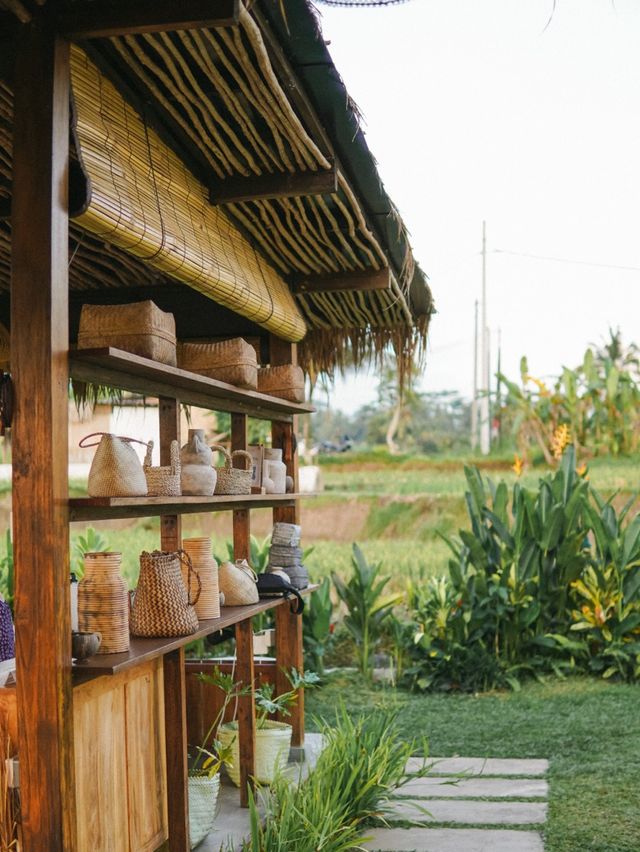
x,y
473,112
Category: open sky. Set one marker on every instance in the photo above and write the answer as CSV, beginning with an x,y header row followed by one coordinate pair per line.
x,y
475,111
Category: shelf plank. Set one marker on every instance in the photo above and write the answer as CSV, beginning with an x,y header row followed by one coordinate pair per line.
x,y
117,368
110,508
143,650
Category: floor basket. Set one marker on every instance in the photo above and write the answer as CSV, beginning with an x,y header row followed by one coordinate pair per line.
x,y
273,743
203,797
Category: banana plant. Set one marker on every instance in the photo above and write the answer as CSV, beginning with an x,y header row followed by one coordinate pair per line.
x,y
317,625
368,607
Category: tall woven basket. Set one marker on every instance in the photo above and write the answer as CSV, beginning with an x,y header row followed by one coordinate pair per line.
x,y
199,550
103,602
233,480
163,481
203,797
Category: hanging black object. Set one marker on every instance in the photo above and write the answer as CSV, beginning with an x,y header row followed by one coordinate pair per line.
x,y
6,402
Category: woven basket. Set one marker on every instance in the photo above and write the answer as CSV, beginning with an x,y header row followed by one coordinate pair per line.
x,y
141,328
203,797
163,605
238,583
163,481
232,480
103,602
273,743
199,550
232,361
116,470
285,381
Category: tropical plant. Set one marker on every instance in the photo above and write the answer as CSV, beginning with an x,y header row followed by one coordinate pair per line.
x,y
364,760
268,704
317,625
212,754
91,542
546,581
7,572
368,607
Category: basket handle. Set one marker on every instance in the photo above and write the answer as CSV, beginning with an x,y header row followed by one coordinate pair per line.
x,y
225,453
175,458
147,457
120,437
184,557
245,454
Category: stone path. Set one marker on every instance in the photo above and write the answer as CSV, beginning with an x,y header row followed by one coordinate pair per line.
x,y
483,795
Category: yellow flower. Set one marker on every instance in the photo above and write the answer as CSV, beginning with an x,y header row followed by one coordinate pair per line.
x,y
582,470
518,466
560,440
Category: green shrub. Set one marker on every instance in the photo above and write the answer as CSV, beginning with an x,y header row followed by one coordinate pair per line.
x,y
547,580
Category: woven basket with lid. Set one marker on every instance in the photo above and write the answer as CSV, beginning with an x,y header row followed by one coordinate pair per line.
x,y
141,328
232,480
285,381
232,361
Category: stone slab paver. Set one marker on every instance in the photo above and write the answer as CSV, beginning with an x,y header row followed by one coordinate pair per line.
x,y
479,788
453,840
479,766
467,812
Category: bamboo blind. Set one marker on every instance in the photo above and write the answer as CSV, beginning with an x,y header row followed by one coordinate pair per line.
x,y
145,201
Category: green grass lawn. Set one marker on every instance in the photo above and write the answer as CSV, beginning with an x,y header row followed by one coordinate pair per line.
x,y
589,730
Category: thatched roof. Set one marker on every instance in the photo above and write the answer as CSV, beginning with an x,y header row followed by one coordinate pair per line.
x,y
205,107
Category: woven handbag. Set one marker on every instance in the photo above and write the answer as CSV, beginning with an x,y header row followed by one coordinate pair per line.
x,y
162,605
116,470
163,481
238,583
232,480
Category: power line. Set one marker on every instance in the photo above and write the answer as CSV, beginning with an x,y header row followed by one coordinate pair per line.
x,y
568,260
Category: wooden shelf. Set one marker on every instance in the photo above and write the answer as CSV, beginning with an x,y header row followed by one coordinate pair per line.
x,y
110,508
119,369
143,650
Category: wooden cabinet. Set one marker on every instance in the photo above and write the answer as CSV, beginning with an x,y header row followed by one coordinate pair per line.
x,y
120,761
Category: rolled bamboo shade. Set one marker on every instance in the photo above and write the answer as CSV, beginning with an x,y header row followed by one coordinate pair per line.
x,y
145,201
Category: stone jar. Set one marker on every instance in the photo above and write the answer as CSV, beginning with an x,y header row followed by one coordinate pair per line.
x,y
198,476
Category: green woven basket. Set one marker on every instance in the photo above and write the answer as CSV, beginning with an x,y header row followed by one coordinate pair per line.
x,y
203,795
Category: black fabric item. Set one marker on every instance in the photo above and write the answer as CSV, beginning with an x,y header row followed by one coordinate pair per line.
x,y
271,585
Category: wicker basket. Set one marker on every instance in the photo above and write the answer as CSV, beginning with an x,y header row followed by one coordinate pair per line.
x,y
285,381
103,602
163,605
163,481
203,797
232,480
232,361
141,328
273,743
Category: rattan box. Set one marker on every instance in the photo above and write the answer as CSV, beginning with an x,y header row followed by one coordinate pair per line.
x,y
285,381
141,328
232,361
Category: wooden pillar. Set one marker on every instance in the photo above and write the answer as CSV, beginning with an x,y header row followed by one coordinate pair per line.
x,y
39,355
289,651
244,630
246,708
175,702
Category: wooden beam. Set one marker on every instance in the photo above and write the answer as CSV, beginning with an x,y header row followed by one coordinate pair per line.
x,y
241,517
372,279
40,342
245,675
106,18
282,185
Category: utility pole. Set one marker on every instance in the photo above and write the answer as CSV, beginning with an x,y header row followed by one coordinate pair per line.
x,y
485,417
474,402
499,388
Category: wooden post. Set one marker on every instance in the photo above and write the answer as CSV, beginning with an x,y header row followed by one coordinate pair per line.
x,y
175,702
244,630
39,362
289,652
246,708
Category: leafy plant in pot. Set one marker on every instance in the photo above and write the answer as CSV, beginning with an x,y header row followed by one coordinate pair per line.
x,y
211,756
273,739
